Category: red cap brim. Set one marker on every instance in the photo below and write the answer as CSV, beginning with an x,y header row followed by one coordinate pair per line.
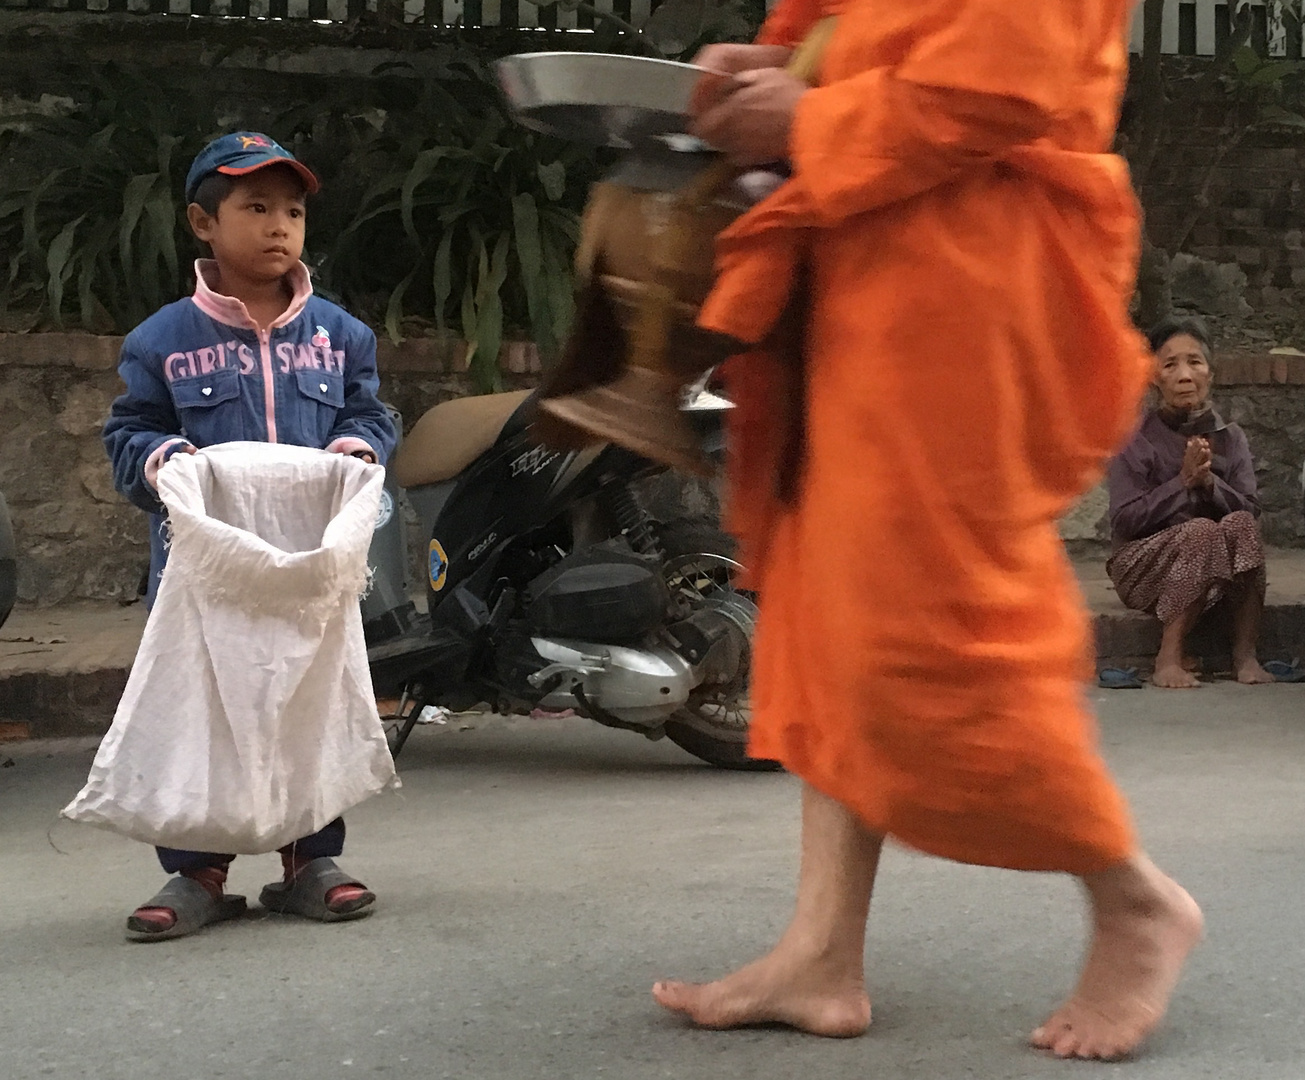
x,y
305,173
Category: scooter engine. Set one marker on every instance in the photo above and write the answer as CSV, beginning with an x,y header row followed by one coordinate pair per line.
x,y
606,593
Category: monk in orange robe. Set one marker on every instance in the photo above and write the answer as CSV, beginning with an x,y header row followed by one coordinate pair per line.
x,y
967,244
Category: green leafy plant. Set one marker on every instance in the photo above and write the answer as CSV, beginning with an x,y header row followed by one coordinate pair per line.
x,y
436,208
438,213
471,223
88,213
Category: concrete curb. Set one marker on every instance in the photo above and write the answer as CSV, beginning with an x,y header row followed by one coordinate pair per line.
x,y
63,668
59,704
47,705
1131,639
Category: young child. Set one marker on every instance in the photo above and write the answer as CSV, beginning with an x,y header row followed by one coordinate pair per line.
x,y
252,356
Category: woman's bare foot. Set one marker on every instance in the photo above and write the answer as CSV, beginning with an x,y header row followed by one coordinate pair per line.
x,y
1249,673
1173,667
1174,677
1141,939
784,987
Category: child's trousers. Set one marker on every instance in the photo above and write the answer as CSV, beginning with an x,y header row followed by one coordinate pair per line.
x,y
326,842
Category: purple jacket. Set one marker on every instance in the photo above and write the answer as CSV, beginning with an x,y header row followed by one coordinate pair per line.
x,y
1147,494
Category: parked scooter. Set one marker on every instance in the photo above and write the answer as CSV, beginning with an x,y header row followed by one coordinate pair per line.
x,y
549,587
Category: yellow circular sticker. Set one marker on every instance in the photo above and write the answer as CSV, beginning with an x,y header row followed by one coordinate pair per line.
x,y
439,566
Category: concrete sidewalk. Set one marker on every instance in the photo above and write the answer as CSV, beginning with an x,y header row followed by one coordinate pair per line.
x,y
536,876
63,668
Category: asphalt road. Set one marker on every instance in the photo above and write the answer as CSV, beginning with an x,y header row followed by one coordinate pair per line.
x,y
536,877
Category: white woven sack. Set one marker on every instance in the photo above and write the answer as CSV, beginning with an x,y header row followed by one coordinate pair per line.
x,y
248,720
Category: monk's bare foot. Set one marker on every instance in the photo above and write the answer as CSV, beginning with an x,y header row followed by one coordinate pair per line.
x,y
1249,673
1174,677
784,987
1137,954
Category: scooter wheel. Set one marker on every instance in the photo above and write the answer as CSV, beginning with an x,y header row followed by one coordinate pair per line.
x,y
689,732
700,568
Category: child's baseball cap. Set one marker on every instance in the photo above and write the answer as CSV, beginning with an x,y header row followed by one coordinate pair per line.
x,y
240,154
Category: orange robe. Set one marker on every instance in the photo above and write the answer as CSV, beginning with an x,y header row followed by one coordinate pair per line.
x,y
970,368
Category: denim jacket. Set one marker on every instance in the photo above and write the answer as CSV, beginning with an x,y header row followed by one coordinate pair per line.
x,y
201,372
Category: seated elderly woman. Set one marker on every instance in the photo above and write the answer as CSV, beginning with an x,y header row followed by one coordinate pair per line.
x,y
1183,511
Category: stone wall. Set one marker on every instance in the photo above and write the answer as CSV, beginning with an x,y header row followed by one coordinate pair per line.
x,y
1256,218
1253,209
78,539
76,536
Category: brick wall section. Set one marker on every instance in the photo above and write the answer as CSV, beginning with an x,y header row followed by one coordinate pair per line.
x,y
1265,394
1249,367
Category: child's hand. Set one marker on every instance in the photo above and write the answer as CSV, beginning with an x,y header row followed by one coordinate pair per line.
x,y
354,447
161,457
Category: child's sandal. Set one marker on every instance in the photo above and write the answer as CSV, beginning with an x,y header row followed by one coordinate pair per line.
x,y
306,894
192,905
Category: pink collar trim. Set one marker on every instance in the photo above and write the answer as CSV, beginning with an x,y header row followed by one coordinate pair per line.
x,y
232,312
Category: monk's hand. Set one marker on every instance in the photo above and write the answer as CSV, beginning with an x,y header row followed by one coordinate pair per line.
x,y
752,124
722,63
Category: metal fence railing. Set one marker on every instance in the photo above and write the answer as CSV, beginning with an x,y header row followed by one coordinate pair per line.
x,y
472,13
1199,27
1191,27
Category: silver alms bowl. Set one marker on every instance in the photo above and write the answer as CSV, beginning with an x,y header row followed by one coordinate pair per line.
x,y
598,98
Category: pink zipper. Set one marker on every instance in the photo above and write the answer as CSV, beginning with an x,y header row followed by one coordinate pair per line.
x,y
228,310
269,385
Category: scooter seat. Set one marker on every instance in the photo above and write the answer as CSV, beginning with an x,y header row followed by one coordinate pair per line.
x,y
450,436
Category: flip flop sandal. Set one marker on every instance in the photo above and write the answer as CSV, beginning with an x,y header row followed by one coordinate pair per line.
x,y
1285,671
306,894
192,904
1119,679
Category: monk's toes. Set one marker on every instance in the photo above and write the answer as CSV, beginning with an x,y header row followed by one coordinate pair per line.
x,y
1084,1040
1046,1037
1068,1044
1087,1049
1062,1038
669,995
760,995
686,998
